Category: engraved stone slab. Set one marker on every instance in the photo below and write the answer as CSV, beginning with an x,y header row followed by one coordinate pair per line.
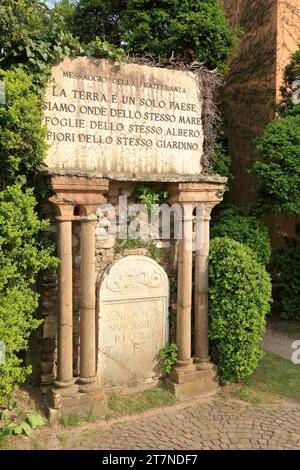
x,y
123,118
133,321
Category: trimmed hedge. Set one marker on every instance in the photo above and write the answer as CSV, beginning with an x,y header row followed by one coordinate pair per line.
x,y
22,137
235,224
240,296
22,256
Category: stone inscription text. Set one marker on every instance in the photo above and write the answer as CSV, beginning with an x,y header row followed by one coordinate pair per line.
x,y
92,118
102,115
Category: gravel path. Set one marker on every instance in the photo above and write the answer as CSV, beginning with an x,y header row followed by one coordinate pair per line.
x,y
278,343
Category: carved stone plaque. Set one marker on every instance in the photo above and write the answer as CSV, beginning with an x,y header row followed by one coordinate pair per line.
x,y
123,118
133,321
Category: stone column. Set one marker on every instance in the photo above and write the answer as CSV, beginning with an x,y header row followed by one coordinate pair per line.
x,y
198,378
65,306
76,198
184,294
88,379
201,349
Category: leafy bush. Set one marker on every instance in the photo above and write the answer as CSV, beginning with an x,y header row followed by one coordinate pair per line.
x,y
286,276
21,258
14,424
278,173
169,356
22,137
221,161
240,295
191,30
235,224
38,48
151,197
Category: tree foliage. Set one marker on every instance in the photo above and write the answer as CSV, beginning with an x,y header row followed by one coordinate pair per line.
x,y
240,295
20,20
99,18
38,48
189,30
278,172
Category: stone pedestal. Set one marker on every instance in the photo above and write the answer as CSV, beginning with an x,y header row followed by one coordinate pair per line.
x,y
185,382
75,404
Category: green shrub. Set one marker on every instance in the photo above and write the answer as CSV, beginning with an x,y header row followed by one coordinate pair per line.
x,y
169,357
240,295
21,258
286,277
278,172
235,224
221,161
22,137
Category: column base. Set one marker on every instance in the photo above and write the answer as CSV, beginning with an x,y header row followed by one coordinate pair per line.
x,y
69,402
203,364
88,384
192,382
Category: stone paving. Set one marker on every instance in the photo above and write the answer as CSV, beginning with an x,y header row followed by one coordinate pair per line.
x,y
200,425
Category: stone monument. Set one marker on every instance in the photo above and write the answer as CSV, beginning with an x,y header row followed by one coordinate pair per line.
x,y
133,321
114,124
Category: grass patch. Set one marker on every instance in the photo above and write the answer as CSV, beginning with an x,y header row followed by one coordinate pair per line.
x,y
69,420
90,417
154,397
276,378
246,394
63,439
88,437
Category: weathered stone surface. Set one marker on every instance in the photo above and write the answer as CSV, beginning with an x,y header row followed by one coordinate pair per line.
x,y
133,321
49,327
125,178
135,119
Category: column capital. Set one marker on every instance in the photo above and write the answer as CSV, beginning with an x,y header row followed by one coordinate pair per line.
x,y
209,191
77,195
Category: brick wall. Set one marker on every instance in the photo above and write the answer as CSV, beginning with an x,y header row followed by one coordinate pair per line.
x,y
271,33
249,94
